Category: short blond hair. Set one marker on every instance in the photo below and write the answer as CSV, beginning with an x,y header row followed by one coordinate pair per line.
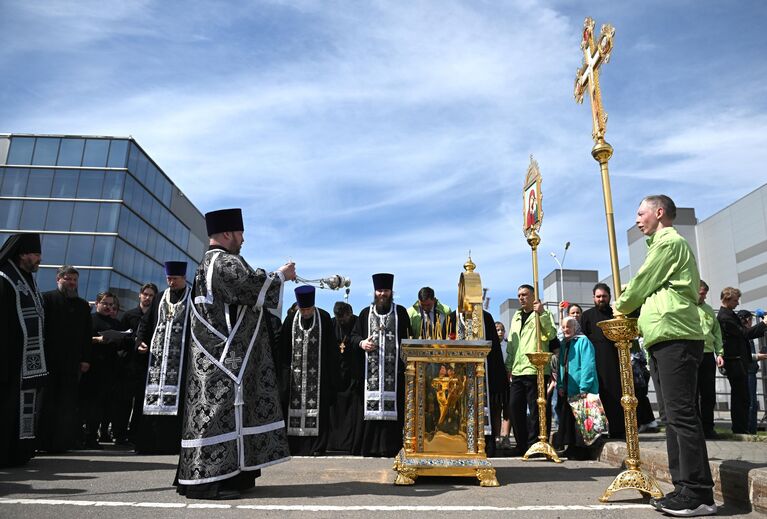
x,y
729,293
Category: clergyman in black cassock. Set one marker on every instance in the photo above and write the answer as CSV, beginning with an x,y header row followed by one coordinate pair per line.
x,y
308,368
23,370
376,342
606,354
345,427
132,320
68,350
164,331
232,424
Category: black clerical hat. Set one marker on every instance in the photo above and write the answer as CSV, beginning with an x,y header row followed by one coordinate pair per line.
x,y
383,281
224,220
175,268
29,243
305,296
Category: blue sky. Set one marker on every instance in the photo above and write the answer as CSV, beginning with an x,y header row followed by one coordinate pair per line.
x,y
394,136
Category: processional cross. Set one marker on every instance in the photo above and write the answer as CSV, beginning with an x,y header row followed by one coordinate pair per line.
x,y
594,54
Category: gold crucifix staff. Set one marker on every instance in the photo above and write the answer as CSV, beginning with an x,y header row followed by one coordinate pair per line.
x,y
621,330
532,214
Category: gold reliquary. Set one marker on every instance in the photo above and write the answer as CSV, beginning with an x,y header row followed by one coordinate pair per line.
x,y
444,411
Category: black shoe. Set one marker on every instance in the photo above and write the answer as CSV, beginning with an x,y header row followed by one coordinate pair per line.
x,y
683,505
711,435
92,445
657,503
221,495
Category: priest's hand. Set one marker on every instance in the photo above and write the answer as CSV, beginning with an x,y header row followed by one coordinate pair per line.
x,y
97,340
719,361
84,367
367,344
288,271
142,348
538,306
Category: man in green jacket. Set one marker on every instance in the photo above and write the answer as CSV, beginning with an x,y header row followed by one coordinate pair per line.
x,y
427,315
712,357
666,288
524,385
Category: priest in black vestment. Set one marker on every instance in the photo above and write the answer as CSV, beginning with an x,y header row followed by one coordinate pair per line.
x,y
608,370
23,368
308,367
68,351
232,424
345,427
376,344
131,320
164,335
497,379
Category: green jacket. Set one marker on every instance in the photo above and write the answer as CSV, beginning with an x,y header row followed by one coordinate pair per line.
x,y
666,287
521,340
711,330
414,312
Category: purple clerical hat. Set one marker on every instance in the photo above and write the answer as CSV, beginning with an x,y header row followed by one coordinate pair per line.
x,y
175,268
305,296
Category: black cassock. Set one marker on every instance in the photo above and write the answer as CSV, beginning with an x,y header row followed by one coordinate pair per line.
x,y
608,370
67,344
345,427
497,379
157,434
132,320
13,451
329,374
381,438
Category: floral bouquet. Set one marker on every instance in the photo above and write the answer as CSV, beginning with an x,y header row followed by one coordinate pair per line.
x,y
589,416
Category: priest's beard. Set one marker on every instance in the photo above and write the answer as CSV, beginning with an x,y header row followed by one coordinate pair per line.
x,y
383,304
69,293
603,307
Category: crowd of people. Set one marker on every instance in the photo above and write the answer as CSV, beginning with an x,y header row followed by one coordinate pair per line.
x,y
211,372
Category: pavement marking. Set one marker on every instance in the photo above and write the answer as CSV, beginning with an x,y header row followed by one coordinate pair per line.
x,y
330,508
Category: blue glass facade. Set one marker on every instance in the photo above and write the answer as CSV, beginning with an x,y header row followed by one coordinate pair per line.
x,y
102,205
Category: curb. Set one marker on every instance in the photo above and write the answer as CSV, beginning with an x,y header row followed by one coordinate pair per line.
x,y
744,483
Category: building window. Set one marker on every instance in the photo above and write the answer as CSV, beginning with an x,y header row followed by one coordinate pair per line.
x,y
65,183
117,153
39,184
33,215
96,151
71,152
59,216
46,151
21,150
14,182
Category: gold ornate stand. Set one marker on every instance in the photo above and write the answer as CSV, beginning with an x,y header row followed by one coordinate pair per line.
x,y
621,330
540,360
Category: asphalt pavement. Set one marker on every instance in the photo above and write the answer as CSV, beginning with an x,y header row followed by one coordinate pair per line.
x,y
114,483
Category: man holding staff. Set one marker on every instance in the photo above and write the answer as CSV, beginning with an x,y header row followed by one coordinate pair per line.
x,y
666,287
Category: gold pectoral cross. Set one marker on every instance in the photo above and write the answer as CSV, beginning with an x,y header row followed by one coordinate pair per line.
x,y
594,54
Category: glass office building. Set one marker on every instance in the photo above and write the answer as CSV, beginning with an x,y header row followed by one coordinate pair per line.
x,y
100,204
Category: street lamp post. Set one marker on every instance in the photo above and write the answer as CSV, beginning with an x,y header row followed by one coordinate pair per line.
x,y
561,294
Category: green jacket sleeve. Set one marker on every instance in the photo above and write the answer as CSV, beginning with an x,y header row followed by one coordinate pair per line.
x,y
652,275
548,330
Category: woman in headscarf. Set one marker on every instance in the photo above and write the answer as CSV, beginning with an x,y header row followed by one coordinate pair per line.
x,y
577,377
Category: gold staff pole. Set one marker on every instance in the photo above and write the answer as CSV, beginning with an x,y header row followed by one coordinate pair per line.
x,y
621,329
533,216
